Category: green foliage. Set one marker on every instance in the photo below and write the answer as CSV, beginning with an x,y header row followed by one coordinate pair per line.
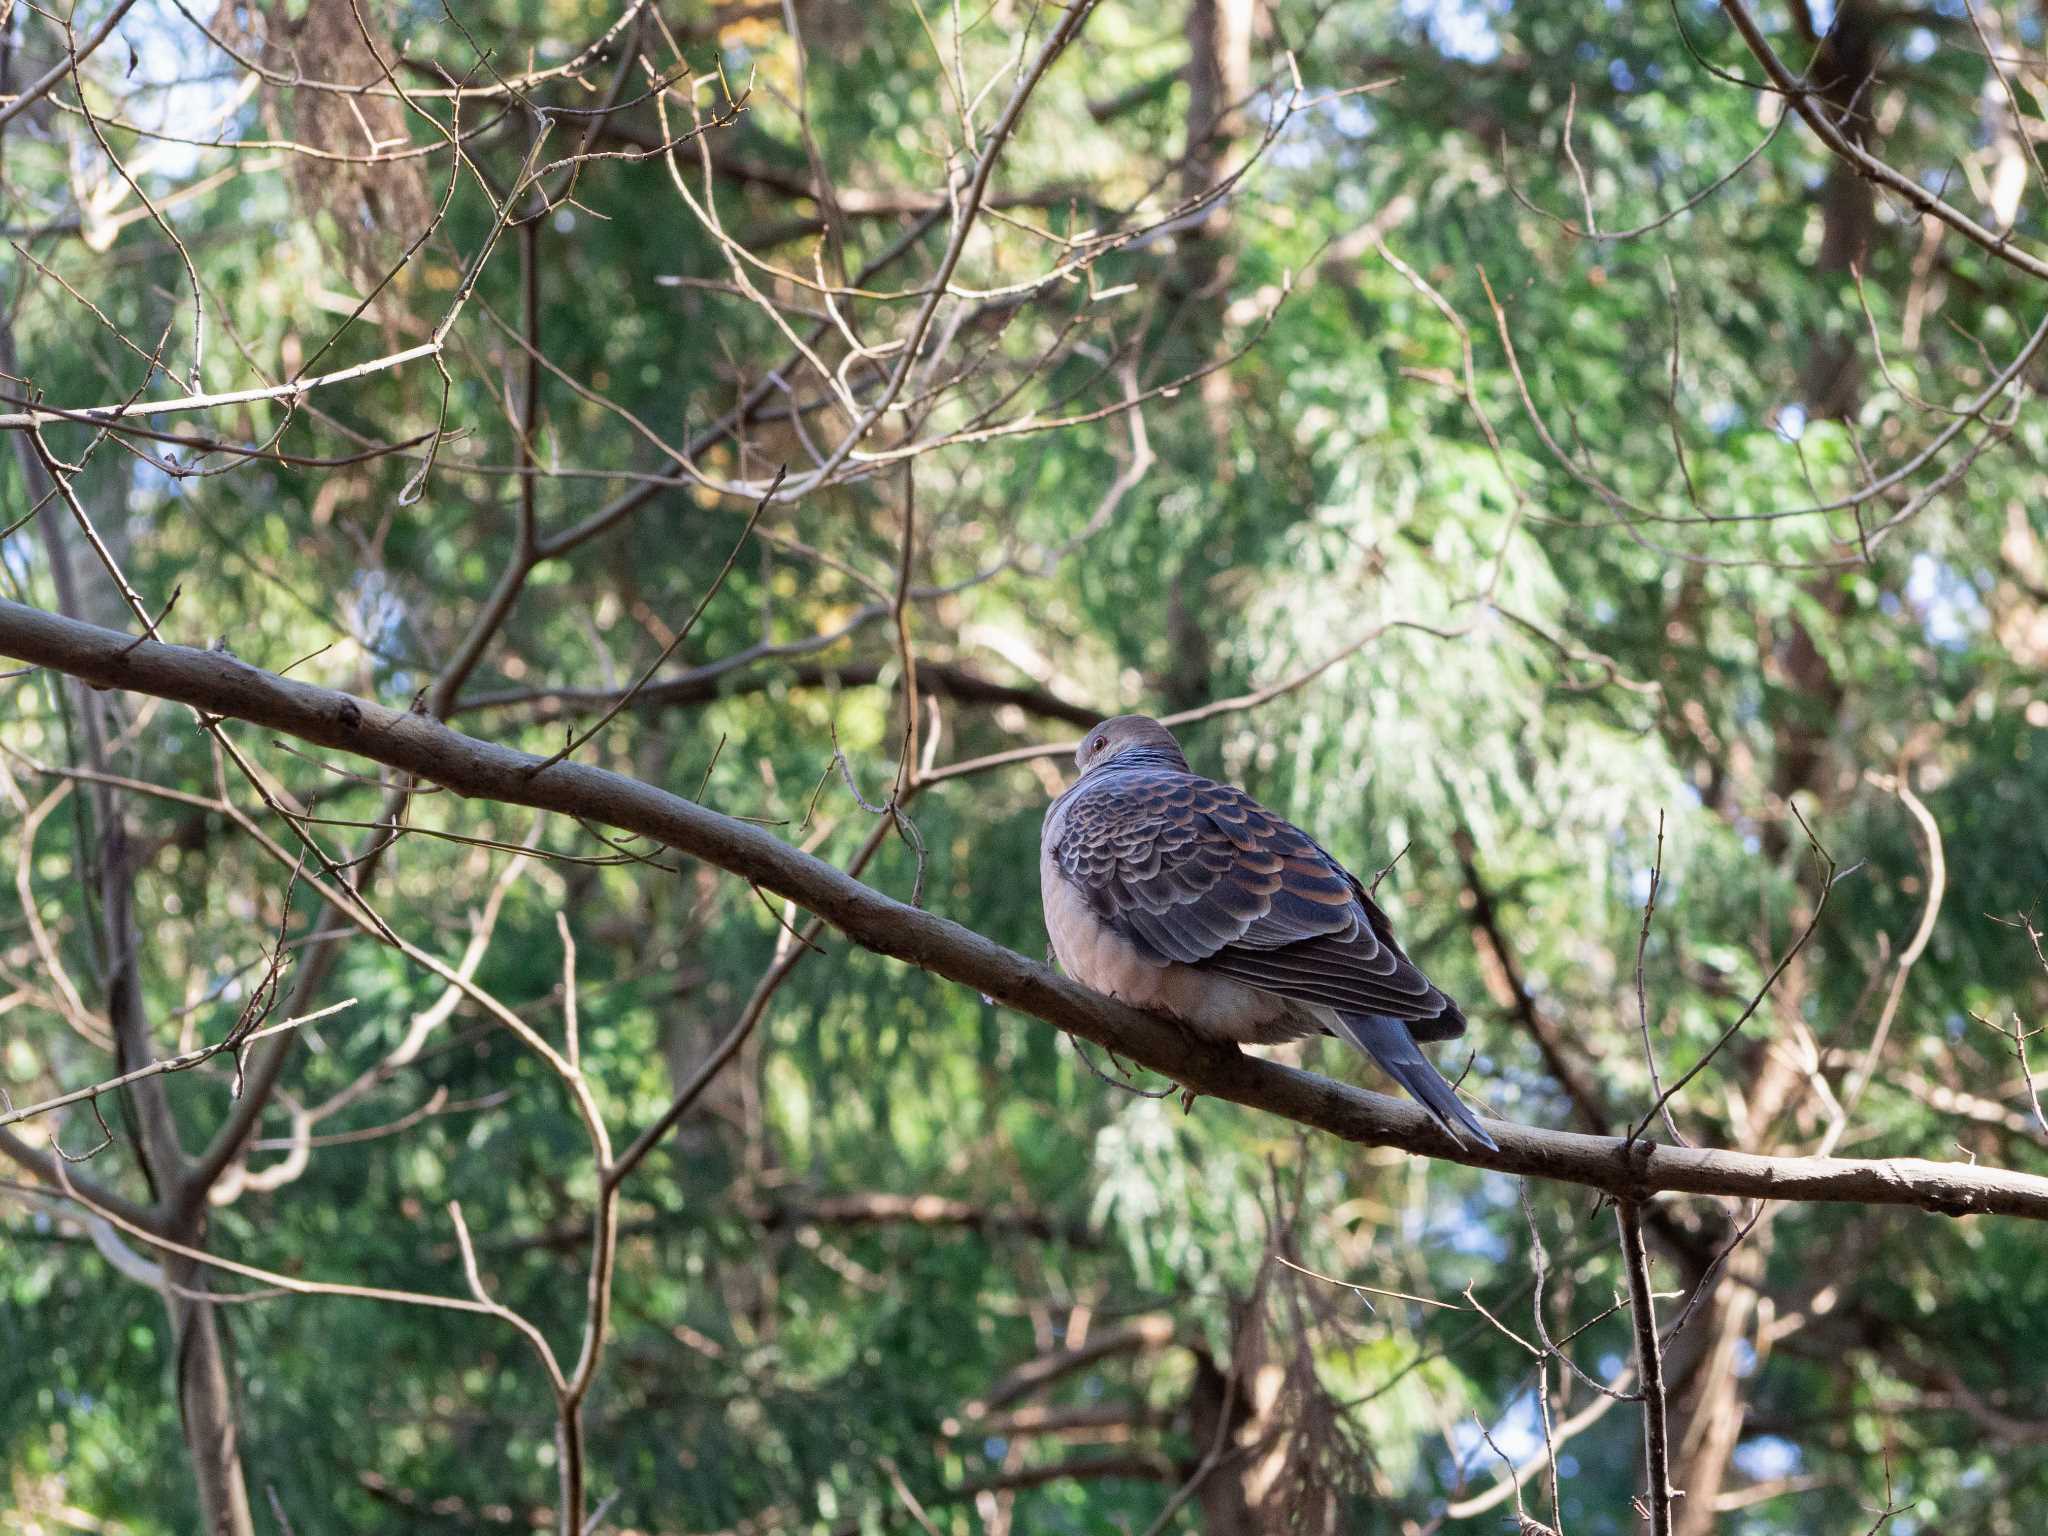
x,y
1590,637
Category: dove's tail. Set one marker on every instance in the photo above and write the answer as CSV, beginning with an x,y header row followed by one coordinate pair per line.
x,y
1394,1048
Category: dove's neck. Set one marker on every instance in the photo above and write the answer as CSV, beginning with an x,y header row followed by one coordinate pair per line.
x,y
1148,756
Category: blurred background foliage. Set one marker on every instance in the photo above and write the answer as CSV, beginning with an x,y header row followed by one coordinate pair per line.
x,y
1584,629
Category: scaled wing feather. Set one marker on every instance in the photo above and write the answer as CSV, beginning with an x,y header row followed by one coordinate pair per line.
x,y
1199,873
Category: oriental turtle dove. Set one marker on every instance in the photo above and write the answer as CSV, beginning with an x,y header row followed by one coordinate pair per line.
x,y
1187,897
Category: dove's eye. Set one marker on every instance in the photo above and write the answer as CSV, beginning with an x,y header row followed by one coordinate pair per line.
x,y
1101,744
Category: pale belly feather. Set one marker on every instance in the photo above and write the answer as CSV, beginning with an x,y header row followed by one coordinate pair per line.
x,y
1098,957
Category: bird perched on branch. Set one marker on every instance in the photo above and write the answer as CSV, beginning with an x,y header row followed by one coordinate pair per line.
x,y
1187,897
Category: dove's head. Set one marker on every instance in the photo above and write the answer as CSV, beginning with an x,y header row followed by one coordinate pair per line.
x,y
1129,741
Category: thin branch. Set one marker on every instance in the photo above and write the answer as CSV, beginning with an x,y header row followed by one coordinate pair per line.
x,y
1649,1365
1829,879
680,636
1642,993
1937,885
75,53
1803,100
180,1063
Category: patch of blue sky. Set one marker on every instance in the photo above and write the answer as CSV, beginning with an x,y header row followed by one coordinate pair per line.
x,y
1518,1433
149,486
1950,610
1295,151
1299,144
1463,29
169,80
376,609
14,557
1351,117
1766,1458
1465,1229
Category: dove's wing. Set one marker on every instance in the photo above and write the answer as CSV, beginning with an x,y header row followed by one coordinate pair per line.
x,y
1197,872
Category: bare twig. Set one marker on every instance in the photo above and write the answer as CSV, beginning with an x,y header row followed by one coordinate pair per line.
x,y
1828,880
1937,885
1649,1366
183,1062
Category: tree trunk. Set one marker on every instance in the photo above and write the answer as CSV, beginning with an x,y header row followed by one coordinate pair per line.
x,y
205,1397
1709,1399
206,1402
1219,34
1831,382
1218,1415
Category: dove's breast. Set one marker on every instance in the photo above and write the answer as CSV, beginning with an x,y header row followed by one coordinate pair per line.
x,y
1097,956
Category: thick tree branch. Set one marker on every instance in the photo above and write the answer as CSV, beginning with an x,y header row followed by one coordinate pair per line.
x,y
222,685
